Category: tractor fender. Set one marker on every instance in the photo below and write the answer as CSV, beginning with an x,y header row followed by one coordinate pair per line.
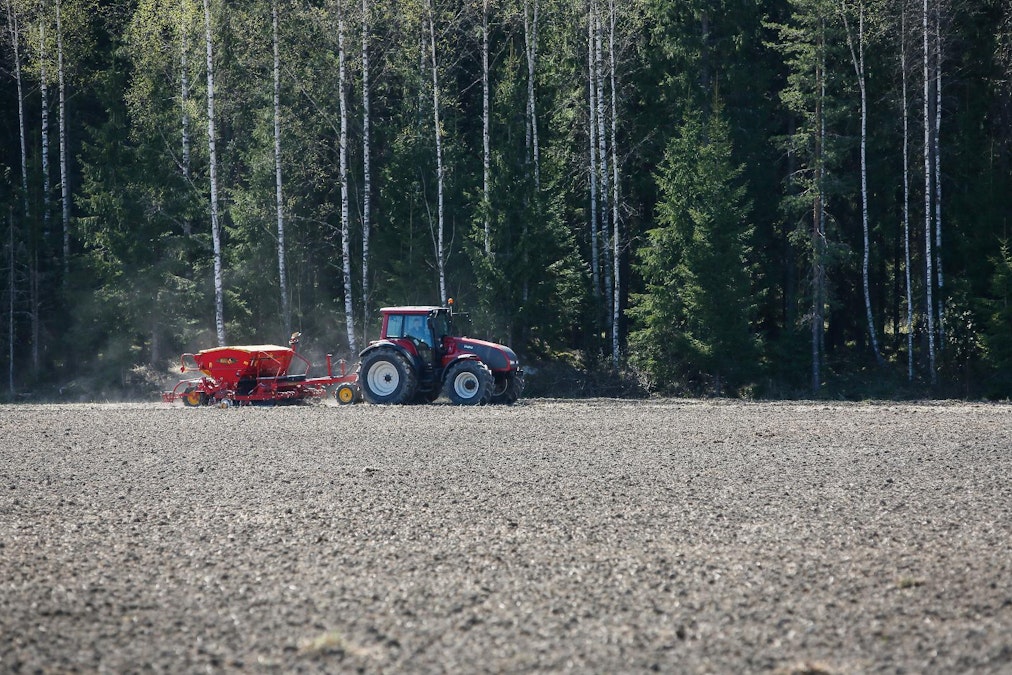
x,y
457,359
386,344
413,358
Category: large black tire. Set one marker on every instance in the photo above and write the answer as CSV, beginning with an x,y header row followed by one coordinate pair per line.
x,y
387,376
508,388
468,382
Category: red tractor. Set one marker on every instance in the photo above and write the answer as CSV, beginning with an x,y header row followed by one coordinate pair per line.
x,y
418,356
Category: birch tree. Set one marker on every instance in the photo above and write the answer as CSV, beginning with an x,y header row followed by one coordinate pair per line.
x,y
44,95
857,60
13,26
595,262
531,52
602,150
184,99
64,179
616,234
937,151
486,135
928,268
36,281
349,315
438,130
286,310
219,290
366,170
904,74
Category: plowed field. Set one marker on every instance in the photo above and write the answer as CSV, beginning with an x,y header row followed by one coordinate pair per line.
x,y
574,536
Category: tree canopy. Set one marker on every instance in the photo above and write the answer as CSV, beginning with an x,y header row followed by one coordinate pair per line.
x,y
780,198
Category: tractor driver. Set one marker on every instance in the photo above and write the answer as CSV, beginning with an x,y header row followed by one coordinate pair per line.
x,y
414,327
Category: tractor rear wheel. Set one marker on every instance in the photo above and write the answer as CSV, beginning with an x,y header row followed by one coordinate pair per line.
x,y
508,388
468,382
386,376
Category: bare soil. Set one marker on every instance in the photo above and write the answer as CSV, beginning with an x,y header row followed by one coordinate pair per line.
x,y
560,536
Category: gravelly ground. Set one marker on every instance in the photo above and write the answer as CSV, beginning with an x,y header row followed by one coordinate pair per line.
x,y
590,536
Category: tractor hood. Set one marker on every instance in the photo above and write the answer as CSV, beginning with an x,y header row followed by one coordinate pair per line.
x,y
499,358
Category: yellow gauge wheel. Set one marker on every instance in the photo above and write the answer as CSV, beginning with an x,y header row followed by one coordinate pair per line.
x,y
345,394
192,398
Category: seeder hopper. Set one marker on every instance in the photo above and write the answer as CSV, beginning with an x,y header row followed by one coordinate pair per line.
x,y
258,374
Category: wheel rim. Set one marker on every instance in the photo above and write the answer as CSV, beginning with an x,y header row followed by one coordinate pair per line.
x,y
384,378
192,397
466,385
345,394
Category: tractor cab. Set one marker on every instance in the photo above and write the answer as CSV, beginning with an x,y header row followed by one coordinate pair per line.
x,y
420,330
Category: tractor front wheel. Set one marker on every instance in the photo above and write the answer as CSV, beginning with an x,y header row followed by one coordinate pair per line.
x,y
386,376
508,388
468,382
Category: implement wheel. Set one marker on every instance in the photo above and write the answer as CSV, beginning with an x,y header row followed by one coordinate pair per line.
x,y
346,394
193,397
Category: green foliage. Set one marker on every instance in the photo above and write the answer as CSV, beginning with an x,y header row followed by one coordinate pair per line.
x,y
997,333
698,312
717,253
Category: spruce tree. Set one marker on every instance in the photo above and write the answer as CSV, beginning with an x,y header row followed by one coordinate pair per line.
x,y
696,317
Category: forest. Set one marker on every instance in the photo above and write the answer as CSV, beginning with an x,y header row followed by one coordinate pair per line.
x,y
757,198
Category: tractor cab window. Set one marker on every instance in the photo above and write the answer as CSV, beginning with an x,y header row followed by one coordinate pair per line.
x,y
395,326
414,327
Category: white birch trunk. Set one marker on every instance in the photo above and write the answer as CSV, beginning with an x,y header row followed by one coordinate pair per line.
x,y
64,160
823,294
349,313
366,172
928,269
486,134
12,24
940,300
616,239
286,310
184,101
44,93
219,290
602,155
440,255
595,255
531,44
857,59
906,198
